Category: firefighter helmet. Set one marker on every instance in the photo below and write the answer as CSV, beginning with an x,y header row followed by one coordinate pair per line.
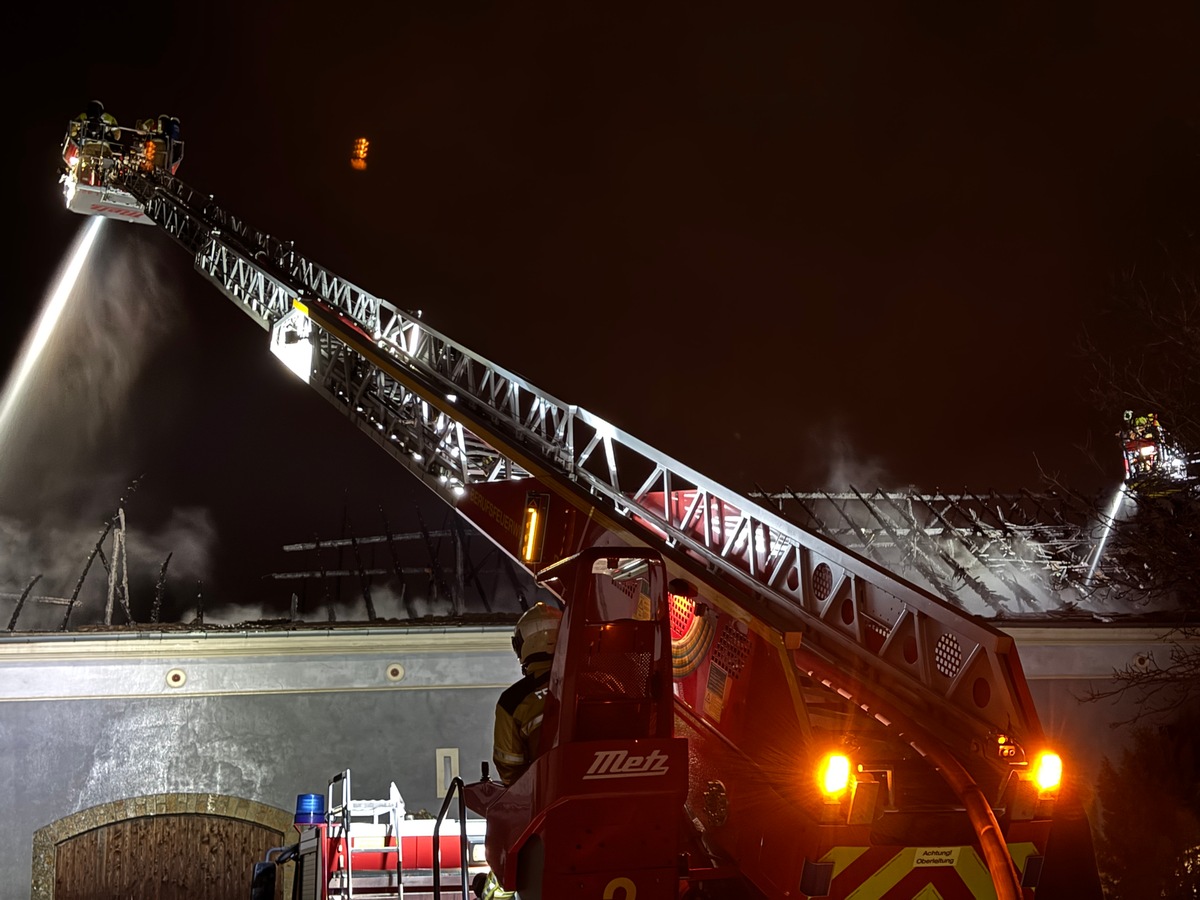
x,y
536,631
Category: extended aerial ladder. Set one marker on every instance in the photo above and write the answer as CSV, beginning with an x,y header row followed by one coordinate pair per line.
x,y
785,645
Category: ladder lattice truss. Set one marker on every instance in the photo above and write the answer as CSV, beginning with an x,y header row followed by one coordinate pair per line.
x,y
992,554
454,419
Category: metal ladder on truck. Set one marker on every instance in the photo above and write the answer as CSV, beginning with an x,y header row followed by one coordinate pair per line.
x,y
365,849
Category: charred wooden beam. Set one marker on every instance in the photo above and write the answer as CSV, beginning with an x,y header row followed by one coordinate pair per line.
x,y
96,551
12,623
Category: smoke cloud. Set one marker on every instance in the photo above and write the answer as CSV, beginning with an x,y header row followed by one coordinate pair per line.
x,y
68,448
846,467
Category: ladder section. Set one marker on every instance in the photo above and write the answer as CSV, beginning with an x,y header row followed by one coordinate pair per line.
x,y
456,420
365,849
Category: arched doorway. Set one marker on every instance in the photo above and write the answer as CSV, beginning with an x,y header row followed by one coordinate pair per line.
x,y
159,847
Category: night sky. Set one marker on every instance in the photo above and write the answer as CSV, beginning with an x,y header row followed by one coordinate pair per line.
x,y
790,246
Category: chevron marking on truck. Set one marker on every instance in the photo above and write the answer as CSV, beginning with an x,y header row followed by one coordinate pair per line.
x,y
953,872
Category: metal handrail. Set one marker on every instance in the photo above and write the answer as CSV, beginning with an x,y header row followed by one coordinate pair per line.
x,y
456,787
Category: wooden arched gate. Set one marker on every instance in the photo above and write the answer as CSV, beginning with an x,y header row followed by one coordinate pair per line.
x,y
162,847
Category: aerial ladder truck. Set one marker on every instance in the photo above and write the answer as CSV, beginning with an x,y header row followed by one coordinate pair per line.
x,y
740,707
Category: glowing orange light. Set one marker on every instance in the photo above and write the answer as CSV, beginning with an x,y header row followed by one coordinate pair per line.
x,y
682,607
529,550
534,526
1047,771
358,156
833,775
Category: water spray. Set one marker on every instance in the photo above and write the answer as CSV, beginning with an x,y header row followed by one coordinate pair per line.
x,y
1110,520
48,320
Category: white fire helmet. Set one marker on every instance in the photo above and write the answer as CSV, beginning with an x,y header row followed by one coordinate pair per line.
x,y
536,631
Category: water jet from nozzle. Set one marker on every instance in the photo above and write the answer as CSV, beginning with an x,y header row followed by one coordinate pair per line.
x,y
32,349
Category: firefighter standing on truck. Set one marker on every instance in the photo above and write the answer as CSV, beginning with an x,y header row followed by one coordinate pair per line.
x,y
519,710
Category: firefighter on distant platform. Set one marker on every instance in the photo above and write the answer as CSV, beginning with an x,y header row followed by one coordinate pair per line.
x,y
1142,428
94,124
90,132
1152,428
1142,436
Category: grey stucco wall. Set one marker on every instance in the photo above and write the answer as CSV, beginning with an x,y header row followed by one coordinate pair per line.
x,y
266,737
